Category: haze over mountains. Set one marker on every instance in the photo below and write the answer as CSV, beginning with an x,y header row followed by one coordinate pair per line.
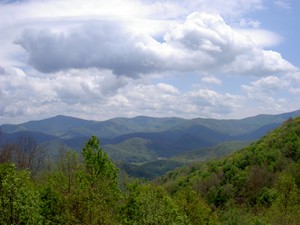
x,y
143,138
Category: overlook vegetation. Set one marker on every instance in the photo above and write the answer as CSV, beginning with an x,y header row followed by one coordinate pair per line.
x,y
86,189
258,185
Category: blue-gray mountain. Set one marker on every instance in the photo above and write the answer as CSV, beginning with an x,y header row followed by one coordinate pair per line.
x,y
143,138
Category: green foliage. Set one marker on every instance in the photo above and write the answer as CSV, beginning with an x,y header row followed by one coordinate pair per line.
x,y
51,206
258,182
19,201
194,207
73,192
234,215
286,207
65,178
91,191
149,204
257,185
97,163
267,196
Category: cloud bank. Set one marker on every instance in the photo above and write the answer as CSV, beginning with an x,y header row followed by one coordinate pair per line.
x,y
94,60
204,42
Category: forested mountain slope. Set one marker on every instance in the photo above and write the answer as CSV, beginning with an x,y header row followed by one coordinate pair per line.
x,y
257,185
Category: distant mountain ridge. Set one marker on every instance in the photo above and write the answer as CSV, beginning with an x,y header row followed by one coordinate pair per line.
x,y
140,138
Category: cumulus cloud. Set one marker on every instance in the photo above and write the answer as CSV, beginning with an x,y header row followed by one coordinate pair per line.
x,y
204,42
262,38
76,92
151,57
293,82
104,45
99,95
267,93
211,80
212,102
263,87
87,96
215,45
274,93
165,99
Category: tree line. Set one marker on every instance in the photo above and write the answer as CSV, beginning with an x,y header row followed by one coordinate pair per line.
x,y
87,188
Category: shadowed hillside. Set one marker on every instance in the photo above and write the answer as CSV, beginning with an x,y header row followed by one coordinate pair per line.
x,y
145,139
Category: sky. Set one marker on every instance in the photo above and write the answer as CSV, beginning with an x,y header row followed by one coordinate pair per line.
x,y
101,59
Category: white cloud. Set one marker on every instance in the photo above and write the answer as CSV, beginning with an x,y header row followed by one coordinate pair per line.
x,y
204,42
267,94
211,101
28,97
262,38
99,95
284,4
104,45
274,94
96,61
246,23
232,8
293,82
211,80
165,100
213,45
74,93
263,87
167,88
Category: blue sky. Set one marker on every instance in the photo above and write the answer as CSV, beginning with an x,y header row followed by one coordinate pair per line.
x,y
284,22
123,58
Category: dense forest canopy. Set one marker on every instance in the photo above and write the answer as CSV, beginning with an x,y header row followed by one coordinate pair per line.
x,y
257,185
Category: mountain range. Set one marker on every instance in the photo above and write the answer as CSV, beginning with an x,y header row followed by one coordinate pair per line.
x,y
144,139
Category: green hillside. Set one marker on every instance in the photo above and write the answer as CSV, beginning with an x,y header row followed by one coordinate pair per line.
x,y
215,152
149,167
131,150
257,185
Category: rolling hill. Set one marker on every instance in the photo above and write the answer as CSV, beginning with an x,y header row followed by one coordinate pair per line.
x,y
142,139
260,184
